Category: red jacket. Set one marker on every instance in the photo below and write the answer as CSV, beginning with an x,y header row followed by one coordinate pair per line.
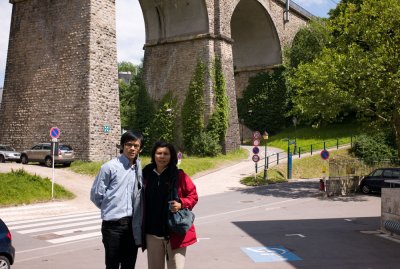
x,y
188,195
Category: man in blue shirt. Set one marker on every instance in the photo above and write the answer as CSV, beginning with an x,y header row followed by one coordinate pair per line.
x,y
117,191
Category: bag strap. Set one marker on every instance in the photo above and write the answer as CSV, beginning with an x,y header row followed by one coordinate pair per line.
x,y
174,187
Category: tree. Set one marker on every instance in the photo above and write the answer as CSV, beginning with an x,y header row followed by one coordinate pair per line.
x,y
359,70
266,98
307,44
128,94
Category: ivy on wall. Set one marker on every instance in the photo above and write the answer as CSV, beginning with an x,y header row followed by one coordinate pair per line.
x,y
193,107
218,123
198,139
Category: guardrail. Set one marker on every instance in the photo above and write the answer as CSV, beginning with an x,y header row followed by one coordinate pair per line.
x,y
297,151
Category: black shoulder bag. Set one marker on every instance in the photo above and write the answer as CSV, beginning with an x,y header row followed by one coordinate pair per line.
x,y
181,221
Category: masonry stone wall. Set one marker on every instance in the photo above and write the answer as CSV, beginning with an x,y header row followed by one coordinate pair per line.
x,y
62,66
62,71
390,206
170,61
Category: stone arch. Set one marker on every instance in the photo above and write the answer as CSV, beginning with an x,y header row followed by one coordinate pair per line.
x,y
167,20
256,42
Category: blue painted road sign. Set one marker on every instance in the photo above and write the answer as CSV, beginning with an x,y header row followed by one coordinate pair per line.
x,y
270,254
54,132
256,150
324,154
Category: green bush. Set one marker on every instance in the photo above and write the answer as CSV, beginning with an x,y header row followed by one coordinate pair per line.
x,y
205,144
266,97
374,147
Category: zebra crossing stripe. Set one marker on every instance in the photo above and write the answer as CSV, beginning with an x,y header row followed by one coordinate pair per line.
x,y
74,238
11,223
11,227
77,230
48,228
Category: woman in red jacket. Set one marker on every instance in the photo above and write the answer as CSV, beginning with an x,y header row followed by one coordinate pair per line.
x,y
159,176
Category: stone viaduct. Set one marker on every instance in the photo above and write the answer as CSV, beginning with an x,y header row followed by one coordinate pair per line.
x,y
62,63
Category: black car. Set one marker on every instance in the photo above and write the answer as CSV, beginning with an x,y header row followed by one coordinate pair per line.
x,y
7,251
376,180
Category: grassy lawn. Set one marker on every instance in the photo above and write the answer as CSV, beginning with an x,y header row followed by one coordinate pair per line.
x,y
19,187
307,136
308,167
191,165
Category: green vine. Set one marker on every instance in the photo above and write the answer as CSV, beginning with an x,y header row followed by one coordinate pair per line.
x,y
193,107
218,123
198,139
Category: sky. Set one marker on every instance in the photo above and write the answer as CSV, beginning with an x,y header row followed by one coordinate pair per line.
x,y
130,28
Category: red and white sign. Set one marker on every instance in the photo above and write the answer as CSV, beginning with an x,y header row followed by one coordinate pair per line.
x,y
54,132
255,158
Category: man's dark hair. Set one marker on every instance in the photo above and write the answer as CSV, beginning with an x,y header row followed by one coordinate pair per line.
x,y
172,151
130,136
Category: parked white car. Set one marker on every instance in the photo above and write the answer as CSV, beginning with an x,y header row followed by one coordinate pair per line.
x,y
8,153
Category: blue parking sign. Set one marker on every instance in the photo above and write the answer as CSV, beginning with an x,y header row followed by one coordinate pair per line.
x,y
270,254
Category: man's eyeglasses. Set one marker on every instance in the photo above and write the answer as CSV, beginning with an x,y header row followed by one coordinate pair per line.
x,y
130,145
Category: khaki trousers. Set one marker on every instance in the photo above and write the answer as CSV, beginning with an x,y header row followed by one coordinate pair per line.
x,y
159,250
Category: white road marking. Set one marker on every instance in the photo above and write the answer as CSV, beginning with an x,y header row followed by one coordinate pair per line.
x,y
77,230
74,238
299,235
52,222
58,226
10,223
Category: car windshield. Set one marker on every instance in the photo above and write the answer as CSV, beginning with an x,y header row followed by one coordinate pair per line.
x,y
376,173
65,147
7,148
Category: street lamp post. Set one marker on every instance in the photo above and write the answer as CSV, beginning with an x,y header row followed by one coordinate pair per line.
x,y
265,137
295,139
241,137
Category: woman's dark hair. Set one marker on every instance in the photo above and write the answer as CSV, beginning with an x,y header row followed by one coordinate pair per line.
x,y
130,136
172,151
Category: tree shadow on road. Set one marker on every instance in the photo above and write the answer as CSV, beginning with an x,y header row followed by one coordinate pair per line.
x,y
299,189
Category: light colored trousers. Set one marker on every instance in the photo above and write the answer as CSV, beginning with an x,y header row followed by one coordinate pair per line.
x,y
159,250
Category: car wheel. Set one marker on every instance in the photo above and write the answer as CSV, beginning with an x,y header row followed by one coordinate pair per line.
x,y
4,263
24,159
48,162
2,159
365,189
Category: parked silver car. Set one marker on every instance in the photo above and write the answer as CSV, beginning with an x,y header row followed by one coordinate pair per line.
x,y
42,153
8,153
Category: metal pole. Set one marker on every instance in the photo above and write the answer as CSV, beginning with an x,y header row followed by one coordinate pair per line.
x,y
265,161
52,179
241,138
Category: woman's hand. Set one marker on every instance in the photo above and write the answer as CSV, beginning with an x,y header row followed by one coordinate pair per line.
x,y
174,206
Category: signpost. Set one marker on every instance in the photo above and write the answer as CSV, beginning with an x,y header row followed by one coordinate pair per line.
x,y
54,134
256,149
324,156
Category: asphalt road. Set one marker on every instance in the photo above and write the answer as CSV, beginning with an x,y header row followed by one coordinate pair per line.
x,y
279,226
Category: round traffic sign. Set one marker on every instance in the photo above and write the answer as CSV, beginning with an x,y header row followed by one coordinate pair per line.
x,y
256,150
256,135
324,154
54,132
256,142
255,158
